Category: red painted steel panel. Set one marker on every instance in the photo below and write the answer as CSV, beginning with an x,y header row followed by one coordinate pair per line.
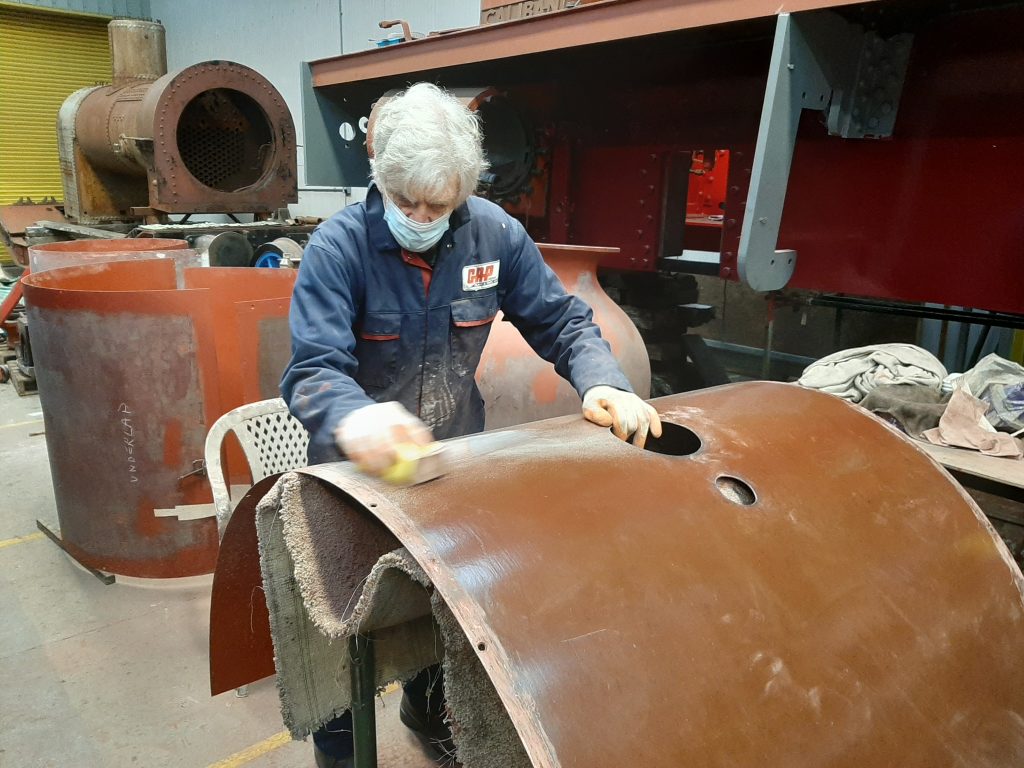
x,y
937,212
617,194
932,214
234,286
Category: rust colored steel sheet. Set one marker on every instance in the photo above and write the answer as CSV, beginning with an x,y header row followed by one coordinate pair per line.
x,y
784,581
254,305
132,372
15,218
265,346
241,651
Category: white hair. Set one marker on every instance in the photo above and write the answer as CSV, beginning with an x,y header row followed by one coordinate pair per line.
x,y
424,140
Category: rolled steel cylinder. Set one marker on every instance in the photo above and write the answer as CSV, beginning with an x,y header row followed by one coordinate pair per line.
x,y
75,253
216,129
280,252
132,370
137,50
225,249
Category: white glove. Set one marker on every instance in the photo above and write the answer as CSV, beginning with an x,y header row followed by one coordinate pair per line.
x,y
623,411
370,435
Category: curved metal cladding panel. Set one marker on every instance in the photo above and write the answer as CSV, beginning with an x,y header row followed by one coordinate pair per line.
x,y
633,608
132,372
241,651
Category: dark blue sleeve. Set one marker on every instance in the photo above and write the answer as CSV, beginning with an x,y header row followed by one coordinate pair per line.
x,y
318,383
560,327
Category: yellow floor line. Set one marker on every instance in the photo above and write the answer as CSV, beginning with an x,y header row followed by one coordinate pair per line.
x,y
22,539
256,750
20,424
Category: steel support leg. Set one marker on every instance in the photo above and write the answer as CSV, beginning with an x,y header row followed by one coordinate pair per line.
x,y
364,688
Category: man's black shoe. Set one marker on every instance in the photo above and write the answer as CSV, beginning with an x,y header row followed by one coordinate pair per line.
x,y
429,727
323,760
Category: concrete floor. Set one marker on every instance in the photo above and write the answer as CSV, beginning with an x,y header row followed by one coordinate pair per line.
x,y
101,676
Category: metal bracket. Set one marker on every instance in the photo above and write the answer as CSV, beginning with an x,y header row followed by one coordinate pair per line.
x,y
819,61
198,470
865,107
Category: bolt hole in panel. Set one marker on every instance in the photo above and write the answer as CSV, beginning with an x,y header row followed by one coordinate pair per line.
x,y
735,490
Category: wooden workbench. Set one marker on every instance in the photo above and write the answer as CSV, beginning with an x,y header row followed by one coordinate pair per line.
x,y
996,469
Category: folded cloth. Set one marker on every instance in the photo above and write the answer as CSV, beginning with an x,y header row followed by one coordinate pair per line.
x,y
1000,383
852,373
913,406
964,425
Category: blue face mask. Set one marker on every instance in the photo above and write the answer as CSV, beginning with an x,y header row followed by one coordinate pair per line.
x,y
413,236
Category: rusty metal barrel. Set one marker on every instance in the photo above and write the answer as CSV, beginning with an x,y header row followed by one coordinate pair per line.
x,y
135,360
215,136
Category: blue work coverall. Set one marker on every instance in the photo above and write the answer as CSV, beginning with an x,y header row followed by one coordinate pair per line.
x,y
372,323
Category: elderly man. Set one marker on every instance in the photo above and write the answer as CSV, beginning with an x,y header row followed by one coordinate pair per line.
x,y
391,311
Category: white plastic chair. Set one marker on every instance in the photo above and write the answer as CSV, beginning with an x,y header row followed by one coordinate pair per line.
x,y
272,439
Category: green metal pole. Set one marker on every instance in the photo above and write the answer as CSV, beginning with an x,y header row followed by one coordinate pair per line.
x,y
364,688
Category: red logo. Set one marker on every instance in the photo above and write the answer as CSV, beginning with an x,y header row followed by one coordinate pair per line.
x,y
479,274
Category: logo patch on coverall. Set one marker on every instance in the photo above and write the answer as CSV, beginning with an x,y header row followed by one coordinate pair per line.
x,y
480,276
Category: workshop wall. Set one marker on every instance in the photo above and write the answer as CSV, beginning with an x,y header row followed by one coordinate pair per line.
x,y
360,30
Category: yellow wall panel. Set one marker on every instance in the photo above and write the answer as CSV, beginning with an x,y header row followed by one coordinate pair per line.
x,y
44,57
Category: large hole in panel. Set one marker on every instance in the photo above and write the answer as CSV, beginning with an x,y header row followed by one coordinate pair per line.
x,y
225,139
674,441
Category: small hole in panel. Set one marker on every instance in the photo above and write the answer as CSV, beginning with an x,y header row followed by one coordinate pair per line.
x,y
735,490
481,646
674,441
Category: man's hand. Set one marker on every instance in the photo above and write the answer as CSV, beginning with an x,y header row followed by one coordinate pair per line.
x,y
624,412
371,435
